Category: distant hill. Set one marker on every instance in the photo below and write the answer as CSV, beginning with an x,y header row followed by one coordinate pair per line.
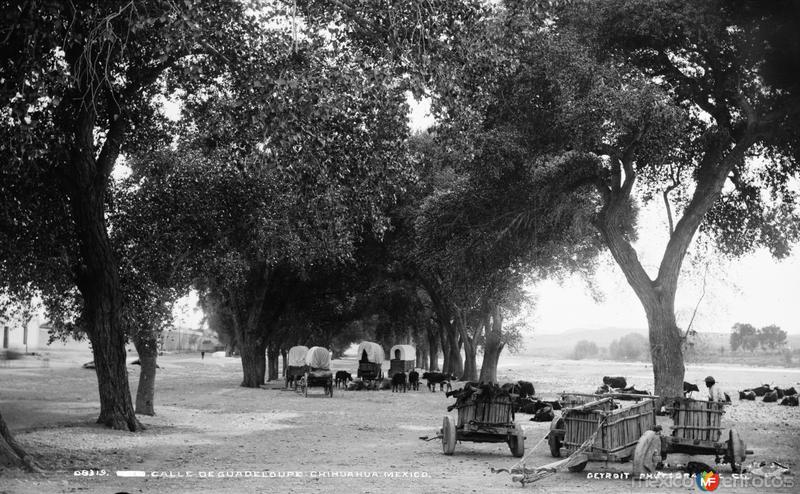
x,y
561,345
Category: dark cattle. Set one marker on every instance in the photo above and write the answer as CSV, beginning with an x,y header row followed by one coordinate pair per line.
x,y
781,392
526,389
439,378
761,390
789,401
544,414
697,468
632,391
528,406
689,388
342,378
509,388
356,386
747,394
789,391
771,397
413,380
615,382
399,382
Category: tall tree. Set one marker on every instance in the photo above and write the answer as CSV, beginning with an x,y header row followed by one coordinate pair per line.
x,y
635,100
725,65
80,78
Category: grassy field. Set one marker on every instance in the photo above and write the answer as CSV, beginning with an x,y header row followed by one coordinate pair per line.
x,y
208,430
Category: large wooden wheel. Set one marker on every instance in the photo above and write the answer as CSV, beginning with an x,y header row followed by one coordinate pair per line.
x,y
448,436
517,442
647,455
553,438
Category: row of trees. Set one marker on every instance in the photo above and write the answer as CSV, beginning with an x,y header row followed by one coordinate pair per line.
x,y
747,337
291,196
631,347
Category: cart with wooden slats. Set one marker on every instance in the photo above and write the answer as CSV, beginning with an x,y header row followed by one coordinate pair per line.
x,y
696,430
484,419
614,432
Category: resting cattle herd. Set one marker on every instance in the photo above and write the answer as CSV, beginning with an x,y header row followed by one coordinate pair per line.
x,y
434,378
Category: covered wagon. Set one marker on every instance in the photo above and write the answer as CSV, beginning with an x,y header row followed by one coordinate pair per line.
x,y
295,364
370,359
403,359
318,371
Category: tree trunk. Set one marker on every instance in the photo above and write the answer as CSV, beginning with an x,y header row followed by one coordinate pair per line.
x,y
666,349
456,364
272,360
433,351
422,358
284,356
254,363
447,365
470,360
492,347
147,348
98,282
11,453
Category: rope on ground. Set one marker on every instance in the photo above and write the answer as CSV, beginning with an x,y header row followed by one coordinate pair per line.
x,y
528,476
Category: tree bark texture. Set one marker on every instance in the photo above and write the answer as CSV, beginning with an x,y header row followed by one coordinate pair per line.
x,y
98,282
12,455
433,351
147,348
272,362
493,347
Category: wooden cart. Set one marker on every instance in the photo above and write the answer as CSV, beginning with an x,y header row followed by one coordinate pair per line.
x,y
484,421
696,430
616,430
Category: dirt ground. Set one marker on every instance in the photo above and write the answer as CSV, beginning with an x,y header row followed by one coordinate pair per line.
x,y
211,435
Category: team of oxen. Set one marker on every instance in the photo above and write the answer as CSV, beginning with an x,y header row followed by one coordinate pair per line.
x,y
522,393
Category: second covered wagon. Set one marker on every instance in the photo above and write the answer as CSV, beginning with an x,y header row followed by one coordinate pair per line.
x,y
403,359
370,361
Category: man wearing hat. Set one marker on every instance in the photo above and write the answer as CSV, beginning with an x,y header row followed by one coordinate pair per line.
x,y
714,392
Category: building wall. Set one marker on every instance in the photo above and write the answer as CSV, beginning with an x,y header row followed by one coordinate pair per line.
x,y
15,335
